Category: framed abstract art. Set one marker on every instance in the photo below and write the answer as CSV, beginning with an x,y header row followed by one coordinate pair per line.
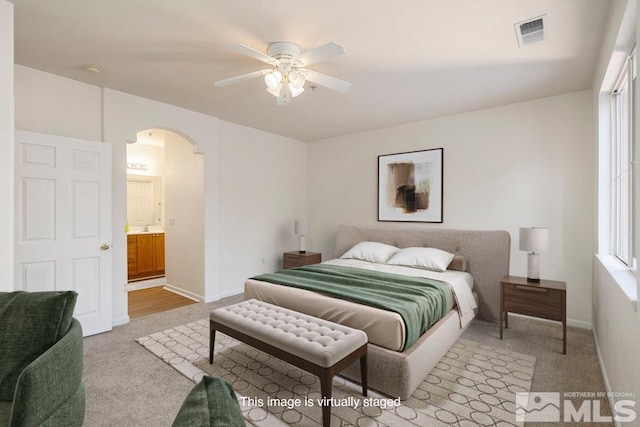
x,y
410,186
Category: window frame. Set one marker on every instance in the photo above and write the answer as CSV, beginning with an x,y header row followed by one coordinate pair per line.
x,y
622,136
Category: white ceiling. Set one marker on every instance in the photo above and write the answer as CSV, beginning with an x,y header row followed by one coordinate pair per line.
x,y
408,60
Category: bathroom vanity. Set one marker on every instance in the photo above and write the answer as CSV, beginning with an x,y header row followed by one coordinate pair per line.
x,y
145,255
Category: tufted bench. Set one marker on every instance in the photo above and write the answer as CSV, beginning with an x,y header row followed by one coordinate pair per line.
x,y
315,345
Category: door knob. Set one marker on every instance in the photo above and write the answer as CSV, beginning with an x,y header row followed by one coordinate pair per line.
x,y
104,247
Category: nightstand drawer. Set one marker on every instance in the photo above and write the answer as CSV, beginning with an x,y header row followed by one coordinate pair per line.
x,y
294,262
533,301
297,259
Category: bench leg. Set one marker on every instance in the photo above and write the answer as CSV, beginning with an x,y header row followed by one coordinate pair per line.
x,y
326,380
212,340
363,374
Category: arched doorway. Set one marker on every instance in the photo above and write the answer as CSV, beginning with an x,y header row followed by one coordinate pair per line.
x,y
165,222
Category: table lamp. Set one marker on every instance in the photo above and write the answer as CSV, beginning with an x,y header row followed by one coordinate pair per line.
x,y
301,230
534,240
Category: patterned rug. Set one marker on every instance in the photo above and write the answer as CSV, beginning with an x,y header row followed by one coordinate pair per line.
x,y
474,384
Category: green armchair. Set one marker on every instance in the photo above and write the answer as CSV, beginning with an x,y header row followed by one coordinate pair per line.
x,y
211,403
41,360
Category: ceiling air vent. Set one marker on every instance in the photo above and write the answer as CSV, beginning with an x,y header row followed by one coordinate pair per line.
x,y
531,31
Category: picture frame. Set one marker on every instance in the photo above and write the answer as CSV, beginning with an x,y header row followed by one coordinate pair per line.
x,y
410,186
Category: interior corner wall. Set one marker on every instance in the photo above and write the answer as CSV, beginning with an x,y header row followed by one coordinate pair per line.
x,y
184,212
6,147
263,191
519,165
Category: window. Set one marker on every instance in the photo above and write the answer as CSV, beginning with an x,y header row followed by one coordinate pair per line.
x,y
621,156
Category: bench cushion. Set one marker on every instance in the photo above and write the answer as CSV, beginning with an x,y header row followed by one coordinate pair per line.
x,y
316,340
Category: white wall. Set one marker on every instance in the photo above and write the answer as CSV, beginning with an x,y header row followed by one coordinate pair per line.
x,y
124,116
184,211
526,164
148,154
6,146
116,117
51,104
264,190
617,331
616,324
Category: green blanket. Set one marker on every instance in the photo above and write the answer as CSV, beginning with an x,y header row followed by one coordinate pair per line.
x,y
421,302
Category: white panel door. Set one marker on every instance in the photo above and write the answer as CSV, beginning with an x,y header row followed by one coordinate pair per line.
x,y
63,222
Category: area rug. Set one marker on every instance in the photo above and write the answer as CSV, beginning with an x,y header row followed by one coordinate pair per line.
x,y
474,384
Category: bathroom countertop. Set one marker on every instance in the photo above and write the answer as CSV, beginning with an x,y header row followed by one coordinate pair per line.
x,y
145,232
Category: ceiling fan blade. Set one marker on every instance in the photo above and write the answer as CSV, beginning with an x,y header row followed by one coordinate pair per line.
x,y
236,79
255,54
320,53
327,81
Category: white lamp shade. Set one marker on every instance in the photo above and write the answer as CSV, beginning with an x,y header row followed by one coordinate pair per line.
x,y
275,92
295,91
273,79
296,79
302,227
534,239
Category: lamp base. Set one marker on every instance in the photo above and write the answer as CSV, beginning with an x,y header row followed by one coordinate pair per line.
x,y
302,252
533,267
302,244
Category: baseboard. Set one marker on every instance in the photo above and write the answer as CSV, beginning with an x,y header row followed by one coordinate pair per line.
x,y
570,322
121,321
232,292
183,293
605,377
145,284
212,298
580,324
218,297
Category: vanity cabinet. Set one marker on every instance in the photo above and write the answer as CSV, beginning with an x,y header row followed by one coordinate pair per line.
x,y
145,255
132,267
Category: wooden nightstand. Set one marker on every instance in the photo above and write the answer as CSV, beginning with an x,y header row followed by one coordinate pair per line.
x,y
297,259
546,299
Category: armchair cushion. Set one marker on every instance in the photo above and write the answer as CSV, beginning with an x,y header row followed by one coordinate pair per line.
x,y
30,323
211,402
50,389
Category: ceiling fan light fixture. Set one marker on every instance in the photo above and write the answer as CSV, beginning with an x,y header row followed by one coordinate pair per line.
x,y
286,77
284,85
295,91
273,79
296,79
285,93
275,91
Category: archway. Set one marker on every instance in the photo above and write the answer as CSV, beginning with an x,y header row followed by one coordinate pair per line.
x,y
165,219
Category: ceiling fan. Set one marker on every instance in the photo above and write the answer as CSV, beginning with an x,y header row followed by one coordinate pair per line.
x,y
286,79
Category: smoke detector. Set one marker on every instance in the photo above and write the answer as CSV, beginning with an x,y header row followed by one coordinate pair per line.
x,y
531,31
93,69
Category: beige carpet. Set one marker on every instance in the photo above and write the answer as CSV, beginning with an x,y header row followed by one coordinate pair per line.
x,y
474,384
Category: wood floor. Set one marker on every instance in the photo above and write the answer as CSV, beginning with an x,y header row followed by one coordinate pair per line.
x,y
154,300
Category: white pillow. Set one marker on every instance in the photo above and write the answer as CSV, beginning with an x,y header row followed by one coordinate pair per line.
x,y
425,258
371,251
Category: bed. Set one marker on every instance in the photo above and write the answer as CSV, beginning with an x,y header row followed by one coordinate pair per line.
x,y
394,369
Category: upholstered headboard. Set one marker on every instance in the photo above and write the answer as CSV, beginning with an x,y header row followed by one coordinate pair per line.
x,y
486,252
